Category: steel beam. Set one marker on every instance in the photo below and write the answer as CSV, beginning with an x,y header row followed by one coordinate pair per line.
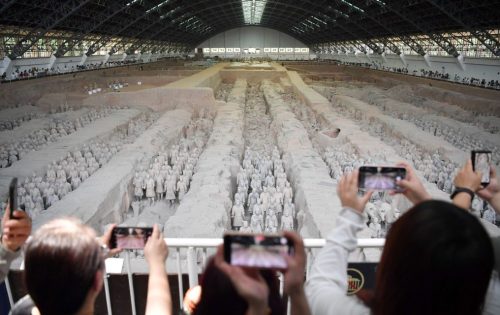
x,y
401,9
61,12
112,8
460,15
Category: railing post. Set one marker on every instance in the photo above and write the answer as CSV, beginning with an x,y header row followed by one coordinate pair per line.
x,y
179,278
107,294
130,282
204,258
309,261
191,266
9,291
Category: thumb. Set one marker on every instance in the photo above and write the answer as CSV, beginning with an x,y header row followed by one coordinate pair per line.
x,y
403,183
367,197
156,232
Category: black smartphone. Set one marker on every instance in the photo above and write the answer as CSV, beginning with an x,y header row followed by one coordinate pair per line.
x,y
380,177
13,197
130,237
266,251
481,161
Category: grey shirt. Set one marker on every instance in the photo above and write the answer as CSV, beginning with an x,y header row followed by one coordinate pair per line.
x,y
6,258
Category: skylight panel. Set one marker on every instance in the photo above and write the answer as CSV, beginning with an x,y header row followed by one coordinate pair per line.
x,y
319,20
253,10
170,13
156,7
353,6
132,2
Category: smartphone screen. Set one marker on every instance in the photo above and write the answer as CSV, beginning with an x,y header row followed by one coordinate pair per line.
x,y
13,197
257,250
481,161
380,178
130,237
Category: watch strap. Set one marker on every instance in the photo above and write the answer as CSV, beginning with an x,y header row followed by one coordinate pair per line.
x,y
459,190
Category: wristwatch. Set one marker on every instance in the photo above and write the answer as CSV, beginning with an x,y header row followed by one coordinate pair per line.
x,y
459,190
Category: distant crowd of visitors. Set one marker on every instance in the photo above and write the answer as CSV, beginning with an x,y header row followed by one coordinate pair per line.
x,y
35,72
491,84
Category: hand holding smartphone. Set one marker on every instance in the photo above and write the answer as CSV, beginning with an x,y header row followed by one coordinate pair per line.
x,y
380,178
130,237
481,161
264,251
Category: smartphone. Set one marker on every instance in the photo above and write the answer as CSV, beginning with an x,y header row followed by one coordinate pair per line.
x,y
130,237
265,251
481,161
13,197
380,178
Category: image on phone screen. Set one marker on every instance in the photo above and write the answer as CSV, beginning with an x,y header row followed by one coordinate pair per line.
x,y
482,161
380,178
258,251
130,237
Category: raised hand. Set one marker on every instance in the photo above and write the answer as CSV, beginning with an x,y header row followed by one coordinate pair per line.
x,y
249,284
413,189
467,178
156,250
491,193
106,240
15,231
347,191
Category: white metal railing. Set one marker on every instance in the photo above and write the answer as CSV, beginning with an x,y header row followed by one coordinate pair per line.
x,y
193,244
190,246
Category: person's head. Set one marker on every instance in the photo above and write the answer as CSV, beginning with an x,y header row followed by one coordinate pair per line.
x,y
219,296
437,259
64,265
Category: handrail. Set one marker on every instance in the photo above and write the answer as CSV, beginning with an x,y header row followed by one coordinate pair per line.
x,y
309,243
190,262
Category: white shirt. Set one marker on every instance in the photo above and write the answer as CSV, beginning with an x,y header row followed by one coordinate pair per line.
x,y
326,286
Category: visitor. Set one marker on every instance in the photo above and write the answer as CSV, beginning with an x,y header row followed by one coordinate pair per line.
x,y
14,233
468,179
437,259
64,269
232,290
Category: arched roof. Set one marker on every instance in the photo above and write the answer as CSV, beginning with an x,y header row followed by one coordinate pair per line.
x,y
188,23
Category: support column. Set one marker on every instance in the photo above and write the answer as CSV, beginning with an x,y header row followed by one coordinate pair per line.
x,y
461,61
6,67
106,58
403,59
84,58
427,60
52,61
384,58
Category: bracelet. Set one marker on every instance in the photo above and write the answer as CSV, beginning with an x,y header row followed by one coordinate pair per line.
x,y
459,190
